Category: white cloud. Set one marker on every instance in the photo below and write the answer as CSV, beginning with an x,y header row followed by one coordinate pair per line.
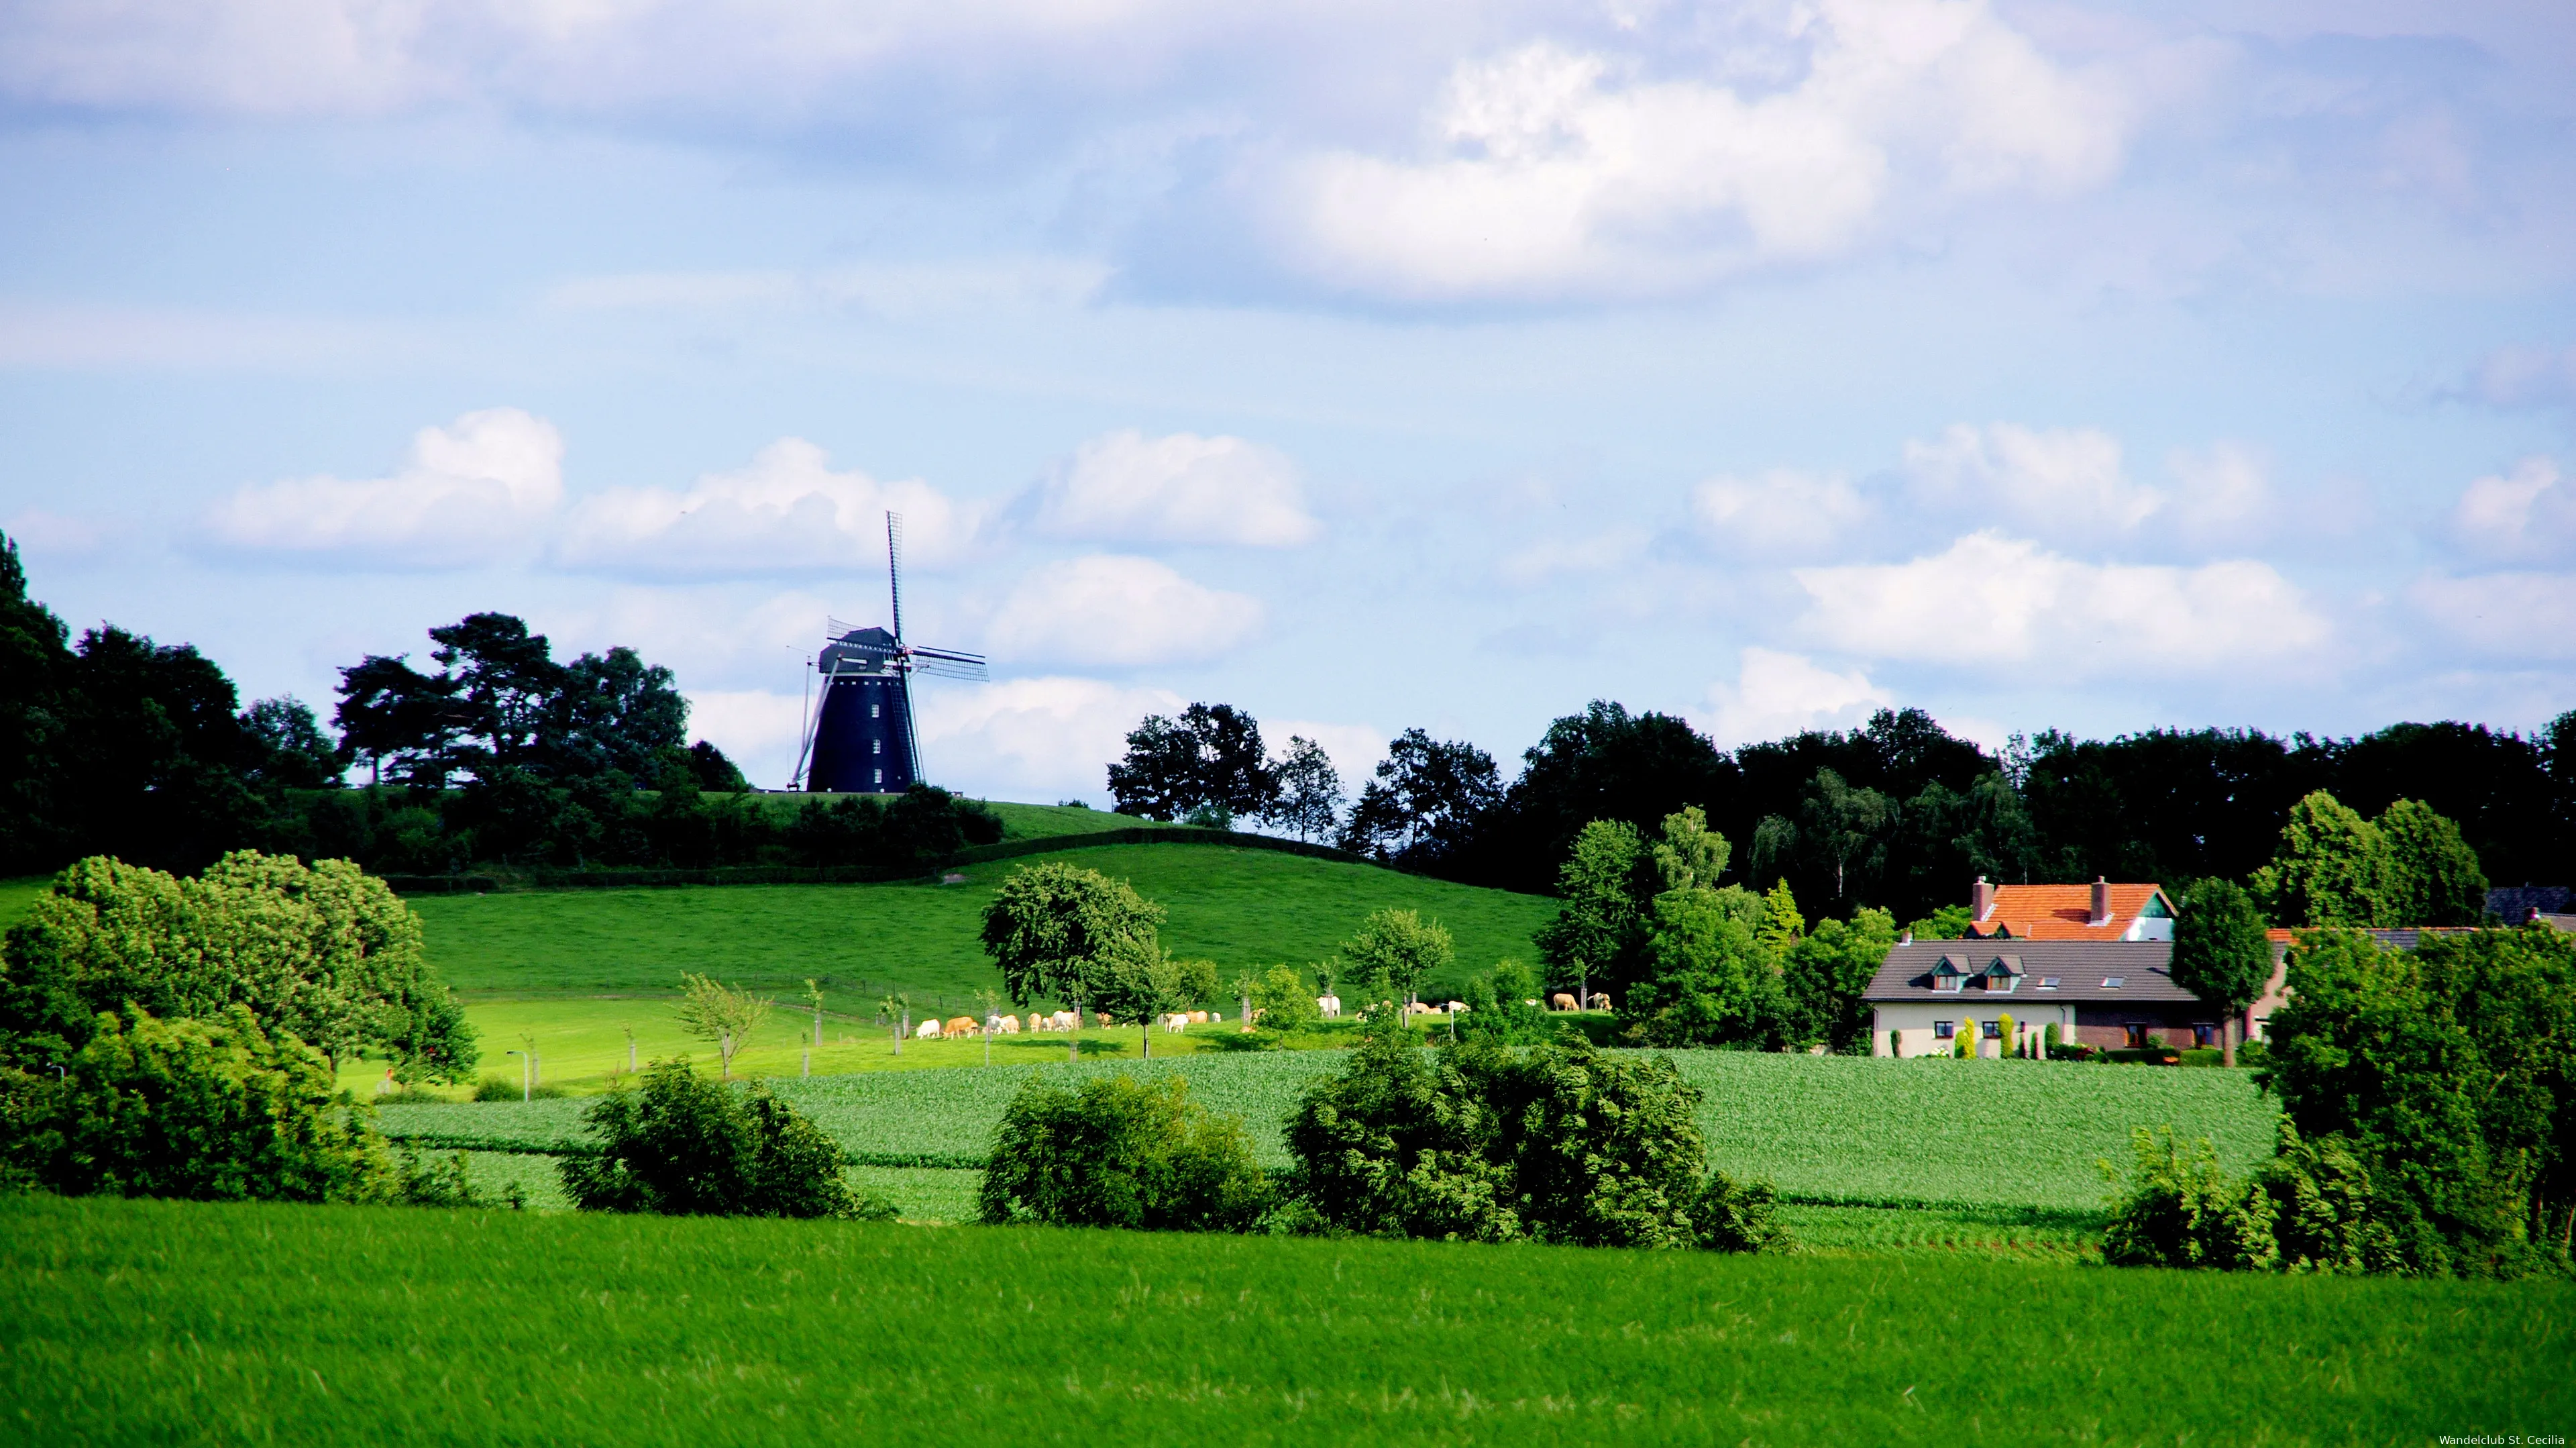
x,y
2063,484
1783,512
1552,169
1126,487
466,493
2516,617
787,512
1042,738
1992,600
757,729
2528,515
1117,610
1777,694
59,536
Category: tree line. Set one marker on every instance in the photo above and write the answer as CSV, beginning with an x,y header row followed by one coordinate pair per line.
x,y
495,753
1897,815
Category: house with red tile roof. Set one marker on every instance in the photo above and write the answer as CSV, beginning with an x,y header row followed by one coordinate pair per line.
x,y
2099,911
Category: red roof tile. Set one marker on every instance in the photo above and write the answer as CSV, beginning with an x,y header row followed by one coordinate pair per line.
x,y
2062,912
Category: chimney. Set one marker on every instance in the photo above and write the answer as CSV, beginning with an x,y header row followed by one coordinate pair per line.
x,y
1981,901
2101,902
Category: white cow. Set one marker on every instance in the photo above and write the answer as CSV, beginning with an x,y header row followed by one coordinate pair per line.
x,y
1008,1025
1064,1021
926,1031
1330,1005
1176,1021
1458,1007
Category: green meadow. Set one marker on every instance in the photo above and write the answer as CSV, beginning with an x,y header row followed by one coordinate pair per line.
x,y
128,1322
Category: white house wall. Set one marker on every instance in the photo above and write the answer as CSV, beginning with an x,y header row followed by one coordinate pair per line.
x,y
1915,1020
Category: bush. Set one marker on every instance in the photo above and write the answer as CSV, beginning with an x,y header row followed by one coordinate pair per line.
x,y
1498,1009
1286,1001
205,1110
684,1146
1564,1143
502,1088
1121,1153
2181,1210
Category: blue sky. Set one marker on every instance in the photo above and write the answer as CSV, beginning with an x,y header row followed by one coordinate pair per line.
x,y
2098,367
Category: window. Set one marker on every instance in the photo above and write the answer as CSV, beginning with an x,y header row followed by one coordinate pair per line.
x,y
872,710
1993,1030
2113,982
2048,982
2137,1035
2002,982
1945,982
1941,1030
876,746
880,776
2204,1035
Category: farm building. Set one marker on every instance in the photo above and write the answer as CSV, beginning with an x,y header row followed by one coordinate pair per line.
x,y
2099,911
2110,993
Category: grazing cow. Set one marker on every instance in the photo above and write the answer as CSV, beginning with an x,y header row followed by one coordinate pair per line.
x,y
926,1030
956,1026
1560,1002
1600,1000
1176,1022
1330,1005
1103,1018
1010,1025
1064,1021
1458,1008
1198,1018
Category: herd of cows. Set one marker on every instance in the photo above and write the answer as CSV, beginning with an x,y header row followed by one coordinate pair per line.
x,y
1328,1006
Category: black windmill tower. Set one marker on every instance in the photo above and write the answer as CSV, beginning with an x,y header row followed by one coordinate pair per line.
x,y
859,739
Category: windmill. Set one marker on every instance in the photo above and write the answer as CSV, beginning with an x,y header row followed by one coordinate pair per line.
x,y
859,737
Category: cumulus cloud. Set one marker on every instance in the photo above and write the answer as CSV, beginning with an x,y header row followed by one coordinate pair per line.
x,y
1551,169
464,494
1117,610
1042,737
2065,484
2527,515
787,512
1992,600
1777,694
1126,487
1783,513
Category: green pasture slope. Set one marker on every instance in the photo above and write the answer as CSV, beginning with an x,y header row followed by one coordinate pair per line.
x,y
1237,907
135,1321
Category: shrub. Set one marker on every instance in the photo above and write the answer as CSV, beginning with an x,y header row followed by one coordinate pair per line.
x,y
1564,1143
2180,1210
1120,1152
684,1146
1286,1002
1498,1009
216,1110
502,1088
2326,1211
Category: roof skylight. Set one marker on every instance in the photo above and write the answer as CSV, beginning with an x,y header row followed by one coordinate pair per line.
x,y
2114,982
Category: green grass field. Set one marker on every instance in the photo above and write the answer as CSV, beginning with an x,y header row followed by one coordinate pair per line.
x,y
1237,907
147,1322
1950,1136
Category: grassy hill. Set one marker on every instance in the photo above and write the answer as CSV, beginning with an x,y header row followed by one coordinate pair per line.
x,y
150,1322
1237,907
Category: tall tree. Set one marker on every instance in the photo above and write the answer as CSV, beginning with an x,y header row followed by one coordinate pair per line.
x,y
393,717
1059,929
2331,867
1425,805
1399,949
2433,875
1600,919
1309,803
1210,759
2221,954
614,711
288,747
1602,764
508,683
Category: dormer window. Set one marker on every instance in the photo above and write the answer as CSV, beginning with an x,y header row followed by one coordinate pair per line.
x,y
1997,980
1947,982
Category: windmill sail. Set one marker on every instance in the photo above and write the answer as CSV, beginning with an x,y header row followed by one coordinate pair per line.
x,y
861,738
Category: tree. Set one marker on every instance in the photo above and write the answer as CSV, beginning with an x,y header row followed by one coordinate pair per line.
x,y
1690,855
1119,1152
1426,802
1561,1143
1059,929
616,712
1600,924
1309,802
2448,1072
2220,953
1602,764
2331,868
1825,975
1707,980
2433,875
681,1145
1142,984
289,749
1210,758
507,686
323,953
1399,949
723,1016
210,1110
391,714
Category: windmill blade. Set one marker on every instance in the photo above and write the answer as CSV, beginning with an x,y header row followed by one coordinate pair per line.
x,y
894,569
949,664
